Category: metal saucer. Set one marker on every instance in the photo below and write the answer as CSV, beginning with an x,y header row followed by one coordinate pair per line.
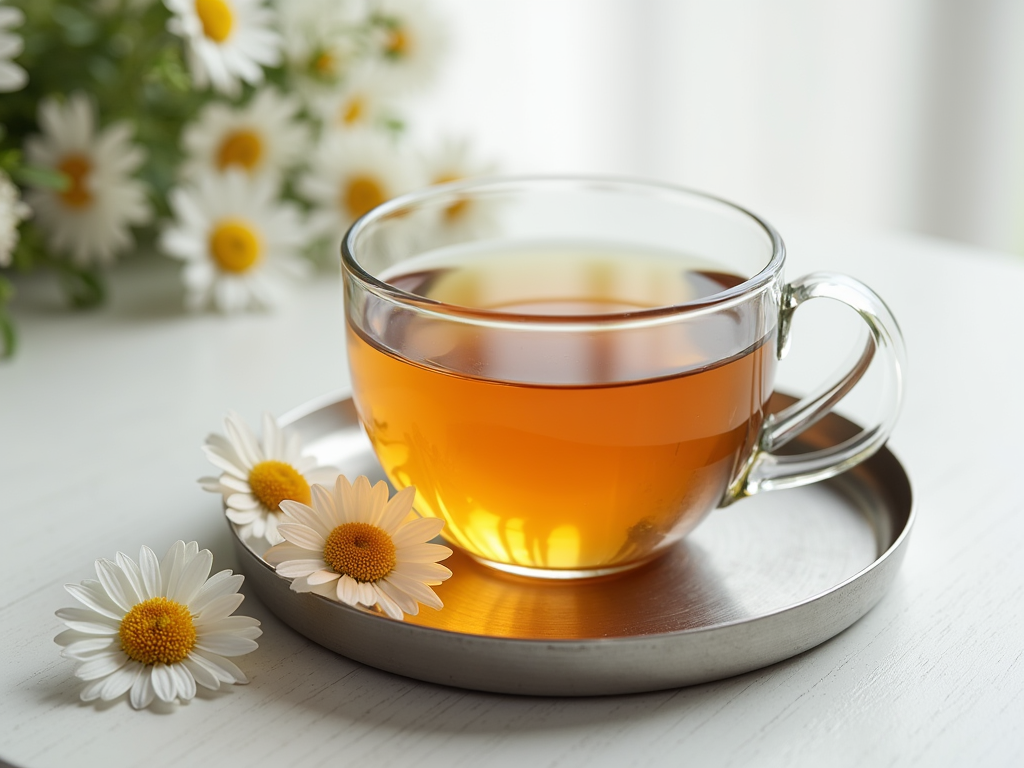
x,y
756,583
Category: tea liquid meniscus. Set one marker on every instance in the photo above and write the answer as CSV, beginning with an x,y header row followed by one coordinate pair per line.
x,y
564,451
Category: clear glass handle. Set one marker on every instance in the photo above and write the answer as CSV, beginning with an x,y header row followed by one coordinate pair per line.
x,y
768,471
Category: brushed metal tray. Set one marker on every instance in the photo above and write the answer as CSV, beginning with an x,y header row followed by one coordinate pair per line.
x,y
758,582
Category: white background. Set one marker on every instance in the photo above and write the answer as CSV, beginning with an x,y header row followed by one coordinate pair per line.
x,y
881,114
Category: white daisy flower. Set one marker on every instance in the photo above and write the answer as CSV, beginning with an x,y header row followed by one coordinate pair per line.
x,y
239,241
156,628
349,174
320,42
12,212
228,40
263,137
464,218
12,76
256,477
91,219
411,42
359,104
353,546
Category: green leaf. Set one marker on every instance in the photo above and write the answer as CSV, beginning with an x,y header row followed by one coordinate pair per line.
x,y
8,333
83,286
8,337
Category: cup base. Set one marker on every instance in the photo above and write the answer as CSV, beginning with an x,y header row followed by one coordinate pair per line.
x,y
562,574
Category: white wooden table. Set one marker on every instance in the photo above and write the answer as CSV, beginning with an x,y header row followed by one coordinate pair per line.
x,y
102,415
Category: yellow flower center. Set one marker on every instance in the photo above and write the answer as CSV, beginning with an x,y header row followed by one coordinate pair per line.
x,y
274,481
242,147
157,631
397,44
325,64
361,194
360,550
77,169
353,110
216,18
234,246
457,209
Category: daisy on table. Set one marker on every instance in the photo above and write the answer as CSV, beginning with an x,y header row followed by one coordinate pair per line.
x,y
228,41
157,628
463,218
410,42
12,76
92,217
349,173
239,242
257,476
354,546
262,137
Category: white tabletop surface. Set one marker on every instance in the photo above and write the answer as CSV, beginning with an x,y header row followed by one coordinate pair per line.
x,y
102,415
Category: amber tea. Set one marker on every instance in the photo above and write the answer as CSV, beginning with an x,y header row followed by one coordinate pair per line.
x,y
576,450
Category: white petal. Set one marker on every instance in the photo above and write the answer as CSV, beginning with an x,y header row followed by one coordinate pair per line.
x,y
226,671
192,578
344,498
271,533
185,683
221,583
422,553
91,648
150,567
240,486
416,589
226,644
242,501
323,502
142,689
164,683
294,569
87,621
101,666
219,608
273,444
69,636
203,675
322,576
306,516
171,565
243,439
295,511
417,531
92,690
133,575
424,572
92,594
223,464
115,583
396,510
280,553
243,518
240,624
302,536
390,604
347,590
120,681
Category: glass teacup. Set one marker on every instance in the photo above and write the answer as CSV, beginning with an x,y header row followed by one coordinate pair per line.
x,y
573,372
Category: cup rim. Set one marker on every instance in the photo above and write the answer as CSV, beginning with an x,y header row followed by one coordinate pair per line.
x,y
729,297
